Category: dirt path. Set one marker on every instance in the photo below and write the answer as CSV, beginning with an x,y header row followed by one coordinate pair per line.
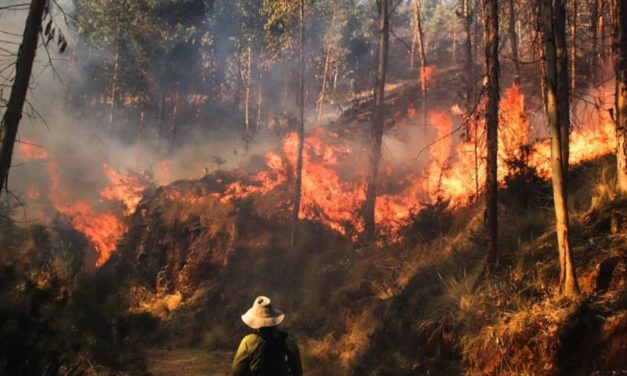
x,y
188,362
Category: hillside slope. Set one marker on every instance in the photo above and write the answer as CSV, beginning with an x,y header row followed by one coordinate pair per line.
x,y
420,307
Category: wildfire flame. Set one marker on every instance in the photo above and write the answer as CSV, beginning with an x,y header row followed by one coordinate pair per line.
x,y
453,172
127,189
102,229
29,150
333,191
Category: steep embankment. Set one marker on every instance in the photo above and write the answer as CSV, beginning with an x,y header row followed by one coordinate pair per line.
x,y
415,308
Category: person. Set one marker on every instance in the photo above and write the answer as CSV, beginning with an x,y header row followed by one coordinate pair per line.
x,y
267,351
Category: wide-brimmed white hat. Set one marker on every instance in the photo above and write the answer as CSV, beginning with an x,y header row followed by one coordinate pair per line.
x,y
262,314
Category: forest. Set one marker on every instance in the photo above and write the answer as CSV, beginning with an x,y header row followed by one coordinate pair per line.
x,y
423,187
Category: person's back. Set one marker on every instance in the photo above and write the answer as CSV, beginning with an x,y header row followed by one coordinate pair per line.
x,y
267,351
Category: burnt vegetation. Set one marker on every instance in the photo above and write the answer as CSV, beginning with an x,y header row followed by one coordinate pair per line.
x,y
425,187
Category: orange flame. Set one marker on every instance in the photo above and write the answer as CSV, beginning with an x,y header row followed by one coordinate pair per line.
x,y
102,229
453,171
29,150
126,189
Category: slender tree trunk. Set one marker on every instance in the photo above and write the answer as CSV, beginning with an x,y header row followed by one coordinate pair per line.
x,y
468,65
538,50
259,100
301,125
513,38
173,119
620,58
325,73
337,72
573,48
601,51
423,59
247,78
412,52
613,19
561,51
568,280
23,70
377,125
492,67
140,126
454,52
160,116
594,18
114,90
324,84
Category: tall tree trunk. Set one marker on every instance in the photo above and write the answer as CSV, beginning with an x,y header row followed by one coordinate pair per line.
x,y
173,119
538,49
423,59
613,19
568,280
601,51
301,125
323,89
23,70
594,18
513,38
454,52
573,47
561,52
247,78
620,58
377,122
259,100
114,90
492,67
335,75
325,73
412,51
468,65
160,117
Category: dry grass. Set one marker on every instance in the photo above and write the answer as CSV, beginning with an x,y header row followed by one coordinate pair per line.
x,y
188,362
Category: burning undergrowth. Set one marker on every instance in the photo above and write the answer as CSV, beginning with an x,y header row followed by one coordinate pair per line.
x,y
181,249
448,173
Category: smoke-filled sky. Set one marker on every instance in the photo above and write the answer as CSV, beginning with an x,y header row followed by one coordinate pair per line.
x,y
79,143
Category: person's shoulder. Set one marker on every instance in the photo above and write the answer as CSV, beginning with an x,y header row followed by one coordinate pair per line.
x,y
251,340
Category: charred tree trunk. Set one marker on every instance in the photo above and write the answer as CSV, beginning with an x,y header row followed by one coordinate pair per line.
x,y
513,38
325,73
173,119
620,56
454,52
423,59
601,51
492,67
594,18
573,47
561,52
301,125
377,122
114,90
468,65
568,280
23,70
613,19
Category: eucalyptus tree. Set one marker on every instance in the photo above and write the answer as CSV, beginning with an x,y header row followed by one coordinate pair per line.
x,y
19,89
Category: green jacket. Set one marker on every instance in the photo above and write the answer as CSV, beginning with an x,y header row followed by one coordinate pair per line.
x,y
248,356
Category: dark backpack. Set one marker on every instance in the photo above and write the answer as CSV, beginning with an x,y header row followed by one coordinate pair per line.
x,y
275,358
